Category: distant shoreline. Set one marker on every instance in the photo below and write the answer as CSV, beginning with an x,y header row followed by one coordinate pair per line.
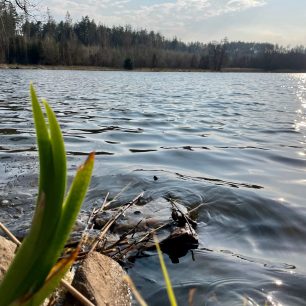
x,y
97,68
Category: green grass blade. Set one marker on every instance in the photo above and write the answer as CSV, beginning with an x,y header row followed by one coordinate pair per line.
x,y
18,278
58,153
170,292
53,218
43,139
75,198
45,159
54,189
52,185
53,211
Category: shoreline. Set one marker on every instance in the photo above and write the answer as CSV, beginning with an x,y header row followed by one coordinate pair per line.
x,y
98,68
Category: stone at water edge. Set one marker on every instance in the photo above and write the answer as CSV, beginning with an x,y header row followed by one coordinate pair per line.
x,y
100,279
7,252
176,238
145,217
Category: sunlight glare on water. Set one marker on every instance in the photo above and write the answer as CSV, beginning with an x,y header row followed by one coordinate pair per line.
x,y
301,94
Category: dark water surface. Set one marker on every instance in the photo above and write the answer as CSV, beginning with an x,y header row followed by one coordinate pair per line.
x,y
232,142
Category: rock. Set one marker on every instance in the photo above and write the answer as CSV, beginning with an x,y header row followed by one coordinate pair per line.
x,y
100,279
148,216
7,252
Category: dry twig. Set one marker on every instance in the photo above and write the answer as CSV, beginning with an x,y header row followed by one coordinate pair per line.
x,y
110,222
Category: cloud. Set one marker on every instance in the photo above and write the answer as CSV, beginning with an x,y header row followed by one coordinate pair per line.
x,y
153,12
179,17
246,3
182,18
278,21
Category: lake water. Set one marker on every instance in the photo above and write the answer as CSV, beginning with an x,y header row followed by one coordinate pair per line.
x,y
235,143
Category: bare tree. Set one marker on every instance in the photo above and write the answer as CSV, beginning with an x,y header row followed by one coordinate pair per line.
x,y
21,4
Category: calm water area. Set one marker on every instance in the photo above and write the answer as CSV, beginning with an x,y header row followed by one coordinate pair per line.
x,y
234,142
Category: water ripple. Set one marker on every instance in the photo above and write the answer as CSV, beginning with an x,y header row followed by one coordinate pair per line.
x,y
230,147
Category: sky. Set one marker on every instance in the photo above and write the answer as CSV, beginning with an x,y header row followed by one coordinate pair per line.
x,y
275,21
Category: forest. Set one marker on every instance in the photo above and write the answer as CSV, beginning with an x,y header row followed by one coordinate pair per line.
x,y
24,40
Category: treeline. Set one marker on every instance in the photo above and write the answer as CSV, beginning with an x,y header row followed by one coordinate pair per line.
x,y
23,41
